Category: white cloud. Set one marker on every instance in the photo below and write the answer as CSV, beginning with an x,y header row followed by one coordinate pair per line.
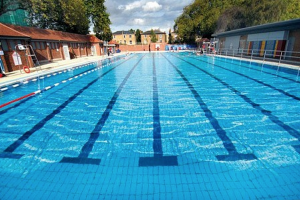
x,y
138,21
130,6
152,7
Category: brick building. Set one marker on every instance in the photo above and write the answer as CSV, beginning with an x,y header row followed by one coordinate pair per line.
x,y
48,45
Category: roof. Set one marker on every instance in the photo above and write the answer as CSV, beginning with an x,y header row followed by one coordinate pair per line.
x,y
6,31
44,34
271,27
155,31
122,33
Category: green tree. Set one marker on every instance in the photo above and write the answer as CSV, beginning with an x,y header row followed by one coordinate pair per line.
x,y
204,17
170,40
153,36
96,10
138,35
62,15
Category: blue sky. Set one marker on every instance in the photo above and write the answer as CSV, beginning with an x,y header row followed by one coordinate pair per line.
x,y
144,14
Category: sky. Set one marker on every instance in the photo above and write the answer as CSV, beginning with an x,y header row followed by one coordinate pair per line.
x,y
144,14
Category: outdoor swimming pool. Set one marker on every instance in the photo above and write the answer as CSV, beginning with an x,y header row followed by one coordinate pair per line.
x,y
153,126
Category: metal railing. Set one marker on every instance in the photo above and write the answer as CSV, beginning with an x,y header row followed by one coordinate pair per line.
x,y
276,57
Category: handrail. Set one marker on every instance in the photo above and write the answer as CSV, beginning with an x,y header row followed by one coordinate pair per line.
x,y
276,56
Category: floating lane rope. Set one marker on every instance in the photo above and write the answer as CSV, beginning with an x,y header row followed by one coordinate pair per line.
x,y
49,87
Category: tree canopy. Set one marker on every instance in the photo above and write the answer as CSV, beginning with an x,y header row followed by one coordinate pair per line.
x,y
138,35
73,16
205,17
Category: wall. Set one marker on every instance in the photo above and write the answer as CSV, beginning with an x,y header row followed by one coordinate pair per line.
x,y
44,50
125,48
294,44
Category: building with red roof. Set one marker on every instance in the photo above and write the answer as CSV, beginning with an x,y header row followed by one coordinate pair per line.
x,y
48,45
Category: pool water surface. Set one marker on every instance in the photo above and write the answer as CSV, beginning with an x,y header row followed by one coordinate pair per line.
x,y
153,126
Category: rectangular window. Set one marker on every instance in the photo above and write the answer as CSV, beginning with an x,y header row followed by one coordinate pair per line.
x,y
4,45
42,45
38,45
130,42
129,36
56,45
33,45
53,45
124,36
12,45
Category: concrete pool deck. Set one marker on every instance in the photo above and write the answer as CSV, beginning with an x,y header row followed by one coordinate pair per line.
x,y
18,75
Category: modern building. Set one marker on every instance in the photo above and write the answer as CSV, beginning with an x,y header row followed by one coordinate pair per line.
x,y
160,36
124,37
271,40
48,45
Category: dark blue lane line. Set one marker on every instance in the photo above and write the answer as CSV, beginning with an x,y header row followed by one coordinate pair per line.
x,y
283,77
253,79
293,132
234,155
157,143
8,152
24,100
158,159
43,90
88,146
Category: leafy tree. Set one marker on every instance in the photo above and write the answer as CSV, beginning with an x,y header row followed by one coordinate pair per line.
x,y
138,35
170,41
96,10
205,17
62,15
153,36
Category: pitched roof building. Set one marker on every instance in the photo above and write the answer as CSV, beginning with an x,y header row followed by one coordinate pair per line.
x,y
47,44
125,37
160,36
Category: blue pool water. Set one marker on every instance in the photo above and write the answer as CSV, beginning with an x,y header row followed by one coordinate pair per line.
x,y
154,126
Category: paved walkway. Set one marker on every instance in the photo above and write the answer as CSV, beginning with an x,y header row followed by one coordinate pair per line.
x,y
18,75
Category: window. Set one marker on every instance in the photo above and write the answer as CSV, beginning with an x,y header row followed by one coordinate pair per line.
x,y
160,36
12,45
114,37
124,36
130,42
129,36
42,45
38,45
33,45
4,45
124,41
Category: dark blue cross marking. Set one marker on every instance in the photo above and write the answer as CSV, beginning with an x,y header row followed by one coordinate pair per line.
x,y
88,146
8,152
234,155
158,159
272,68
293,132
258,81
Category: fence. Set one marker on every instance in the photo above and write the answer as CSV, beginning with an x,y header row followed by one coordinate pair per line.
x,y
275,56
